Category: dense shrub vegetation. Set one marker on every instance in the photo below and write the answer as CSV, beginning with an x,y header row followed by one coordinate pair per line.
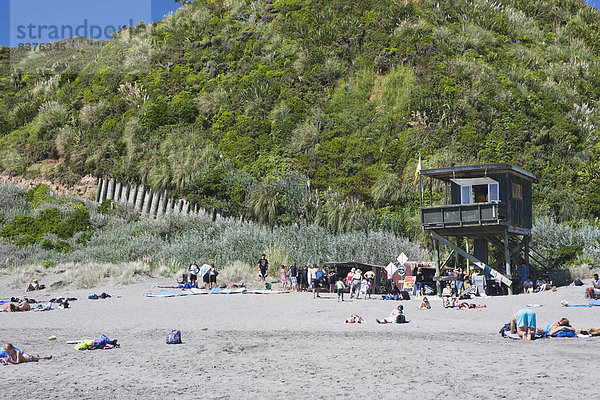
x,y
288,110
120,237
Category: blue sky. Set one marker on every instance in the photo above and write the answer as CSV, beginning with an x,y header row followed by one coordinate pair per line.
x,y
39,20
103,14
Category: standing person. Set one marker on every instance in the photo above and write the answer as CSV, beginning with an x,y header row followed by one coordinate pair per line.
x,y
460,281
212,276
523,323
301,278
339,288
419,282
263,267
203,274
193,270
283,277
312,279
349,278
370,277
294,277
305,282
356,283
332,280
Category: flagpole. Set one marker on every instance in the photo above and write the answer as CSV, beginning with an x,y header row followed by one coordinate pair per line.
x,y
420,184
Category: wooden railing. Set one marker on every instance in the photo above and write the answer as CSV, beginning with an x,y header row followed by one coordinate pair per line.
x,y
459,215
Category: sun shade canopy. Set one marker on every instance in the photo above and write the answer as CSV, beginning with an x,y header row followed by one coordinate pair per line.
x,y
476,171
473,181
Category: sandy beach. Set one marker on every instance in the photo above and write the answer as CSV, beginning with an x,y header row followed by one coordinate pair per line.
x,y
291,346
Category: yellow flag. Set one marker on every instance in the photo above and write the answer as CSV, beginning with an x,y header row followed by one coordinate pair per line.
x,y
418,170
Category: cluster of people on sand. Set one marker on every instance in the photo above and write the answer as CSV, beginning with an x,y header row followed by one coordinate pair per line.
x,y
316,278
543,283
22,305
207,272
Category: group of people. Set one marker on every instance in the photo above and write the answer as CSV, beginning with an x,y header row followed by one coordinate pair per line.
x,y
315,278
207,272
541,284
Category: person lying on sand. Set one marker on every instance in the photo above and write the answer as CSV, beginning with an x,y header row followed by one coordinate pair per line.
x,y
465,305
354,319
425,304
16,356
20,306
553,328
396,316
34,285
590,331
523,323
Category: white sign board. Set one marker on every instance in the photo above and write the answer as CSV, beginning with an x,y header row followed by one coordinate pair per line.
x,y
402,259
390,269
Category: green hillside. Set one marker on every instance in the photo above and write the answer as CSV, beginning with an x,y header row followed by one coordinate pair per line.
x,y
288,109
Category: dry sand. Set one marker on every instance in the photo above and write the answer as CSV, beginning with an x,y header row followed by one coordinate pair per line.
x,y
291,346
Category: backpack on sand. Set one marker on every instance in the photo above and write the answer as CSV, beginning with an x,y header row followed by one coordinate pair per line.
x,y
174,337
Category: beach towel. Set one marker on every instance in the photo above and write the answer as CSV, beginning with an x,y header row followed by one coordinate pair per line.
x,y
102,343
592,303
561,333
165,293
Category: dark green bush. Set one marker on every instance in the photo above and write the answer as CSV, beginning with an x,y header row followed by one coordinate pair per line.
x,y
25,230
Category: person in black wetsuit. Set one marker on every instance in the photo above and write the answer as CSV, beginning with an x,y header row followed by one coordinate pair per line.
x,y
419,282
263,267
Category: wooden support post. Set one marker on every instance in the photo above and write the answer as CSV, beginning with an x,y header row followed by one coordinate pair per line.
x,y
477,263
99,191
103,191
438,270
456,258
526,239
507,261
139,200
467,248
132,195
111,190
117,193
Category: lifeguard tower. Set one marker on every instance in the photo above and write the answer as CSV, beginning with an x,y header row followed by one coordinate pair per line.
x,y
491,204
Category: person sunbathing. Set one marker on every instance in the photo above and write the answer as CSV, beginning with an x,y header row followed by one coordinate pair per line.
x,y
20,306
396,316
354,319
16,356
425,304
447,296
34,285
471,306
561,325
